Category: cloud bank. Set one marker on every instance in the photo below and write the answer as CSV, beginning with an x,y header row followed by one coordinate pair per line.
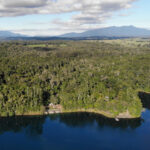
x,y
87,12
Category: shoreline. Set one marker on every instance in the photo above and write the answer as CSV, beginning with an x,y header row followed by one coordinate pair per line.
x,y
104,114
101,113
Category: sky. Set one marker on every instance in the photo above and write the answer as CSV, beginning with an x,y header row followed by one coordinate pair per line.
x,y
56,17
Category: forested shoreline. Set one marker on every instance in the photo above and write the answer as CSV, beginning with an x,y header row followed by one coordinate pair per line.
x,y
103,76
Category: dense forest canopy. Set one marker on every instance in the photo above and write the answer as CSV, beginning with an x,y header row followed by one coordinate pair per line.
x,y
91,75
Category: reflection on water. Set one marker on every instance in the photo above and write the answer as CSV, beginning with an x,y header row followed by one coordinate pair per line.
x,y
75,131
82,119
16,124
35,124
145,99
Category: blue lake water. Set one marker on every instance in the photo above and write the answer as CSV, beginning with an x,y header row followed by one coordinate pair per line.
x,y
76,131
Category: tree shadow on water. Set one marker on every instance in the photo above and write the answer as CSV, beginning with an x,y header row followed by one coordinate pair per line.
x,y
145,99
83,119
31,125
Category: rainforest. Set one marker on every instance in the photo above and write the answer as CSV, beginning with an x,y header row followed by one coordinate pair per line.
x,y
99,76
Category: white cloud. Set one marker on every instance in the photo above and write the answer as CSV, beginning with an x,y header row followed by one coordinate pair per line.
x,y
20,7
23,3
88,12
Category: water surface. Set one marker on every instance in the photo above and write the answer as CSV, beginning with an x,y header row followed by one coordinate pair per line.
x,y
75,131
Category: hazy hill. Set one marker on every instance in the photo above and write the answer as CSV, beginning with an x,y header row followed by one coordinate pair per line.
x,y
124,31
7,34
102,33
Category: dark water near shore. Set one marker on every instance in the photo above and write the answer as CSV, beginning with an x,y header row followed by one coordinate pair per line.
x,y
76,131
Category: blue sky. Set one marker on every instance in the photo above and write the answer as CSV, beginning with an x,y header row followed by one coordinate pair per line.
x,y
138,15
50,17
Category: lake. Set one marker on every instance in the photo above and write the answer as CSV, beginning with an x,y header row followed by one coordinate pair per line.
x,y
74,131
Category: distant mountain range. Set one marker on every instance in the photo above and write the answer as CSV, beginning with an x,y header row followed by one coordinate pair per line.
x,y
8,34
124,31
102,33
